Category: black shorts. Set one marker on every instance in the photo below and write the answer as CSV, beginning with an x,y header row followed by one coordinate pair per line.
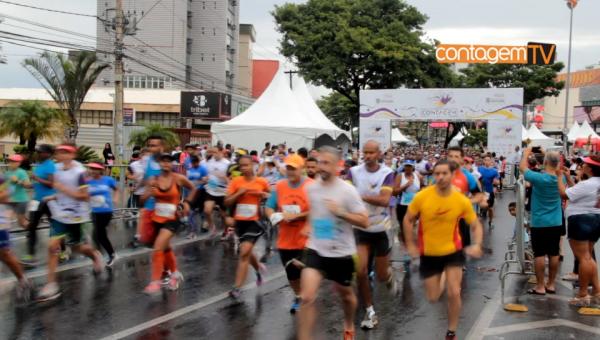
x,y
491,200
248,231
380,242
546,241
434,265
337,269
219,200
198,200
584,227
287,256
172,226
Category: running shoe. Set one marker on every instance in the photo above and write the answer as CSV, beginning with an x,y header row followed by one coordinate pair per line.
x,y
203,230
295,305
191,236
175,280
111,260
348,335
262,271
153,289
49,292
29,261
23,291
64,256
235,294
450,335
370,321
165,278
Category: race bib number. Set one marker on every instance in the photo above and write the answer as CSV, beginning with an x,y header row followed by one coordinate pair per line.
x,y
70,213
33,205
291,209
246,210
97,201
165,210
407,197
323,228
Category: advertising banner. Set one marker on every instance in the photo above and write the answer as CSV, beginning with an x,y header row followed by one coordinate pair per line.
x,y
200,105
379,130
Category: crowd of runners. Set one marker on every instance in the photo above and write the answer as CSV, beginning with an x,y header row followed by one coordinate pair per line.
x,y
336,215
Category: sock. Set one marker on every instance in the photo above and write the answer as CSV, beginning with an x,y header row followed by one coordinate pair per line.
x,y
370,310
170,261
158,262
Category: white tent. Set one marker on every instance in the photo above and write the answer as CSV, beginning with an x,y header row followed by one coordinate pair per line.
x,y
523,133
585,131
574,132
399,137
278,116
537,138
459,136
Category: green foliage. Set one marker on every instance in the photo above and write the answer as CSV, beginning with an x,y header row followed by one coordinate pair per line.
x,y
20,149
170,138
349,45
86,154
340,110
476,138
537,81
66,81
31,120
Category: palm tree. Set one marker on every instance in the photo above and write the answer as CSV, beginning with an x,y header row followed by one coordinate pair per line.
x,y
31,120
138,137
66,81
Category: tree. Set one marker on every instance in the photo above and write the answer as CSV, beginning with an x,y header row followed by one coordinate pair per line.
x,y
340,110
138,137
30,121
66,81
350,45
538,81
476,137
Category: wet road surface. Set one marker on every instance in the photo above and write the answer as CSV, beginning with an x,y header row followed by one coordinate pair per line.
x,y
112,306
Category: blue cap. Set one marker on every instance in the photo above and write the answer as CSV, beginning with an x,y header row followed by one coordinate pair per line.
x,y
409,162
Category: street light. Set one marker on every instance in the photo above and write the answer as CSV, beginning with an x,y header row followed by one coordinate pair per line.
x,y
571,5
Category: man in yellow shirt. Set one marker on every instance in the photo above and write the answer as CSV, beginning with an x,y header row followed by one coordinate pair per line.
x,y
439,209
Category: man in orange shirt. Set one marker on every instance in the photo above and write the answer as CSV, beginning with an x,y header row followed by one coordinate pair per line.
x,y
244,195
289,204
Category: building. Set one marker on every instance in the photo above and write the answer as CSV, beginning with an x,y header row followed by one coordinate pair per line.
x,y
584,87
244,79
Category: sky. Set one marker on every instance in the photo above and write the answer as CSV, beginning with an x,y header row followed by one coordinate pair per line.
x,y
506,22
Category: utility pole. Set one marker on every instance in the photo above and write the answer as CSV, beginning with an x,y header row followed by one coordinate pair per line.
x,y
118,115
291,73
571,5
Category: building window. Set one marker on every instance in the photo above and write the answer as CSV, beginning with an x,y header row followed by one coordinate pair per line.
x,y
201,56
189,46
214,57
203,4
202,30
212,84
214,31
215,5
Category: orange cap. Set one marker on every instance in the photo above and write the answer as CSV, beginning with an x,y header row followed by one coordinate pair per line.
x,y
294,161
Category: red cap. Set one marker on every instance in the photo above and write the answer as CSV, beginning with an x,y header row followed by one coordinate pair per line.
x,y
468,159
95,166
67,148
589,160
15,158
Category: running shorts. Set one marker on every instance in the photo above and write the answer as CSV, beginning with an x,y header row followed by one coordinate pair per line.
x,y
380,242
584,227
172,226
4,239
337,269
198,201
287,256
248,231
219,200
72,233
435,265
491,200
546,241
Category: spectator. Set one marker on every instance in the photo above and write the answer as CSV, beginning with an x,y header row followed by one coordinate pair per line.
x,y
109,157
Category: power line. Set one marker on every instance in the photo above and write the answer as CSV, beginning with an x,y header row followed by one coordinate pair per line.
x,y
150,10
50,10
48,27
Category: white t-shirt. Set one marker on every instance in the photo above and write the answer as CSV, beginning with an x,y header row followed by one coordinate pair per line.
x,y
138,167
583,197
64,208
331,236
217,186
370,184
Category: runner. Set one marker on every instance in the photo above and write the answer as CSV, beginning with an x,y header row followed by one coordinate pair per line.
x,y
406,186
335,207
374,182
104,194
6,255
289,199
18,183
215,188
244,194
166,191
312,168
489,181
197,174
70,209
43,175
440,247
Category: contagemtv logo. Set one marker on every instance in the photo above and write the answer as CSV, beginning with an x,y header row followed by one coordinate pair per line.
x,y
533,54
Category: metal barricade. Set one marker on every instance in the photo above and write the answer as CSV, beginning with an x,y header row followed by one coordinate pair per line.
x,y
515,259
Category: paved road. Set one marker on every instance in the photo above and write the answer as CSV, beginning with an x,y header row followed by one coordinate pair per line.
x,y
113,307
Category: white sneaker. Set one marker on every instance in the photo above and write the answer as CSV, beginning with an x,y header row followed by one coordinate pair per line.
x,y
175,280
111,260
49,292
370,321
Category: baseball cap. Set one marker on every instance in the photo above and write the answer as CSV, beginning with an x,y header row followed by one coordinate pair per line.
x,y
409,162
166,156
437,155
44,148
589,160
15,158
241,152
468,159
95,165
294,161
67,148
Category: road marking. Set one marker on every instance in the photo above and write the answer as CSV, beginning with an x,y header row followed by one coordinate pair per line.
x,y
540,324
486,317
183,311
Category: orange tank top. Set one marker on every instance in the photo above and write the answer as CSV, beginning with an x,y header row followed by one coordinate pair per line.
x,y
292,200
165,209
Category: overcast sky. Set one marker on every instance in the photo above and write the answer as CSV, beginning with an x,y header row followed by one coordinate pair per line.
x,y
510,22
